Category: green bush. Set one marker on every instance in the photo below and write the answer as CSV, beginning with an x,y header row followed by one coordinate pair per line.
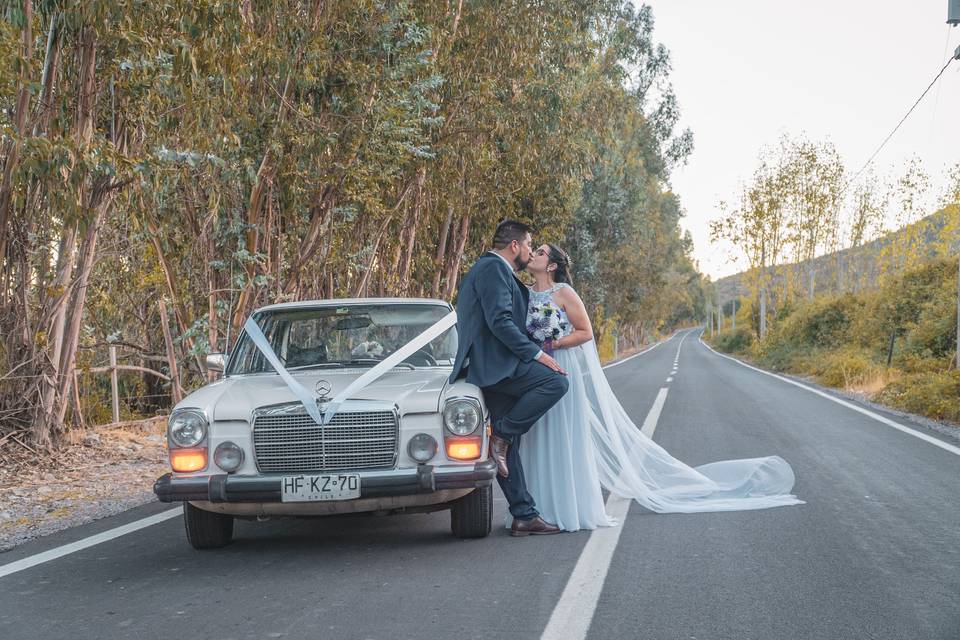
x,y
920,306
822,323
738,341
845,368
936,395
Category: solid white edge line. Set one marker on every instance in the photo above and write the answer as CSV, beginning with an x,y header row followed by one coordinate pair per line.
x,y
647,350
574,611
79,545
636,355
870,414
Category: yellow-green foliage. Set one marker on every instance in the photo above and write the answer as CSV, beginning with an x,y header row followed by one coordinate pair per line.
x,y
848,367
843,341
936,395
605,347
738,341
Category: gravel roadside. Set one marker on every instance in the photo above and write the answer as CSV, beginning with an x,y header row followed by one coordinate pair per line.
x,y
95,474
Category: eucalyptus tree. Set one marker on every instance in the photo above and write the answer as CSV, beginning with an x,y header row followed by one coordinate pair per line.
x,y
207,158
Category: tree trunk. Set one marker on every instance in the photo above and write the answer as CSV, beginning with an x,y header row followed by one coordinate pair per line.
x,y
406,263
441,253
176,392
453,267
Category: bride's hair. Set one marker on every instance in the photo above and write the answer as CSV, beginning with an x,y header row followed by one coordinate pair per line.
x,y
560,258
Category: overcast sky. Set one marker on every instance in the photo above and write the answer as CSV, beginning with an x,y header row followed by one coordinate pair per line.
x,y
746,71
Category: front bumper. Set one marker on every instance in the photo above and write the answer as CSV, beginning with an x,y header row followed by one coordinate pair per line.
x,y
373,484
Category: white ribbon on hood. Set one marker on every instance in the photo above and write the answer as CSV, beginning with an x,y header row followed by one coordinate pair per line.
x,y
330,409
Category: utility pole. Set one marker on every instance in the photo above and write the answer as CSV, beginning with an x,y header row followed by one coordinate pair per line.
x,y
763,312
763,289
953,19
710,316
733,316
719,318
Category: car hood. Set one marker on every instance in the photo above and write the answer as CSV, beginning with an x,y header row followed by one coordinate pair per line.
x,y
236,397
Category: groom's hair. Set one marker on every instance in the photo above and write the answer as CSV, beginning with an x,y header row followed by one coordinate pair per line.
x,y
508,231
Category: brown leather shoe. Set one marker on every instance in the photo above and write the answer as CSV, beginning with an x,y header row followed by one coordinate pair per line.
x,y
535,526
498,451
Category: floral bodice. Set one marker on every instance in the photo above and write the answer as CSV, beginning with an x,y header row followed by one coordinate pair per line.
x,y
540,298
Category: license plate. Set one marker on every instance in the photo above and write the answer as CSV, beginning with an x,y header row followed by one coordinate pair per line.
x,y
325,486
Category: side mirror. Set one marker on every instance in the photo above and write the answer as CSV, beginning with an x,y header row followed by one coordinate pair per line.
x,y
217,362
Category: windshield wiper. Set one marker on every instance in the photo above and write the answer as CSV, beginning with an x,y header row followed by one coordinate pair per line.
x,y
374,361
317,365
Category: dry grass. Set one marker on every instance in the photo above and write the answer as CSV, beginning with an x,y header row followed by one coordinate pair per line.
x,y
873,384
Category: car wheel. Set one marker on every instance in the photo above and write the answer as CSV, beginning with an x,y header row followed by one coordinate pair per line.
x,y
472,515
206,530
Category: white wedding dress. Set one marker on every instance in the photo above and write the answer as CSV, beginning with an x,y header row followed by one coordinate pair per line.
x,y
587,441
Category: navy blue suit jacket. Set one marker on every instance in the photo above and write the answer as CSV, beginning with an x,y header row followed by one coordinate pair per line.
x,y
491,319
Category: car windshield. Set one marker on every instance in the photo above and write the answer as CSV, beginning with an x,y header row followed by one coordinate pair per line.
x,y
346,336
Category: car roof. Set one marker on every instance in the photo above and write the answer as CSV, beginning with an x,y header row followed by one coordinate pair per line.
x,y
340,302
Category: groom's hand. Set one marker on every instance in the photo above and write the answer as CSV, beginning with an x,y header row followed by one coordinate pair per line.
x,y
548,361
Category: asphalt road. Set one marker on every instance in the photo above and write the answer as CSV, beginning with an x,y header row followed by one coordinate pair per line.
x,y
875,552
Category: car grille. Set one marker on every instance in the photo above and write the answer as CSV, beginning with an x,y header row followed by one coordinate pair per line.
x,y
292,441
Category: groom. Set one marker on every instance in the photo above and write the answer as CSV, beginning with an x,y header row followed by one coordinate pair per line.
x,y
519,381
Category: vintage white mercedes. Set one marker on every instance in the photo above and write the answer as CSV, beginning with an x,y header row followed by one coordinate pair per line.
x,y
393,436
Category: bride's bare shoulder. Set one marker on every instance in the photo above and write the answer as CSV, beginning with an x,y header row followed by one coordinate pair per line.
x,y
567,293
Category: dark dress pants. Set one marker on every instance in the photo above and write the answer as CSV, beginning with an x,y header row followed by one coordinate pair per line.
x,y
515,405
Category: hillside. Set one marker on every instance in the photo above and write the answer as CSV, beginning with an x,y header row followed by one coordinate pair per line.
x,y
858,268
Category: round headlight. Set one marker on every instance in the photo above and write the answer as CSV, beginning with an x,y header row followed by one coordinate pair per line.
x,y
187,428
461,417
228,456
422,447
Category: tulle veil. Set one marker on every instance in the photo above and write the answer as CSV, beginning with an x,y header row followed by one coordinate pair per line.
x,y
632,465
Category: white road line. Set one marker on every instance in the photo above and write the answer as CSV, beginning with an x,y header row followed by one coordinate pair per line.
x,y
59,552
647,350
650,424
628,358
669,379
870,414
573,613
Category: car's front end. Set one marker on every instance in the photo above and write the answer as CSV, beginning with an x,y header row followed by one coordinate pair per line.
x,y
245,446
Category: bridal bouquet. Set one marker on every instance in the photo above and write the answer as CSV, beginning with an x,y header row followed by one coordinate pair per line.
x,y
544,325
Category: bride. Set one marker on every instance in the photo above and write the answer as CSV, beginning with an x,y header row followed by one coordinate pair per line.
x,y
587,441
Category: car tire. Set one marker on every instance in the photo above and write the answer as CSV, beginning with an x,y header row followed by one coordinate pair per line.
x,y
472,515
207,530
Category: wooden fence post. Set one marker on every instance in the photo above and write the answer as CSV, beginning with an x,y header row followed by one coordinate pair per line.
x,y
113,383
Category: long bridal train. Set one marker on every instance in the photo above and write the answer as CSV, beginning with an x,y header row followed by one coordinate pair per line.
x,y
632,465
587,441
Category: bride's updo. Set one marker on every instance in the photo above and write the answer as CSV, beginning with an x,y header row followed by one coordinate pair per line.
x,y
560,258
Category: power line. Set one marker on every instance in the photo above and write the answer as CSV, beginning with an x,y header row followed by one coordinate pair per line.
x,y
902,120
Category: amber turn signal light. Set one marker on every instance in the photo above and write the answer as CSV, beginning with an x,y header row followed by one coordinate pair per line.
x,y
463,448
186,460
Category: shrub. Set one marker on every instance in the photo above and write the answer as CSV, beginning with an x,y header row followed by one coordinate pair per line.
x,y
848,368
738,341
819,324
936,395
920,305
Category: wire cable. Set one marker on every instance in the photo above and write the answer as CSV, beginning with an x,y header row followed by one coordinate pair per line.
x,y
899,124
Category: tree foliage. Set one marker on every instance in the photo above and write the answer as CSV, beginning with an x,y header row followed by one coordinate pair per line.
x,y
204,158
